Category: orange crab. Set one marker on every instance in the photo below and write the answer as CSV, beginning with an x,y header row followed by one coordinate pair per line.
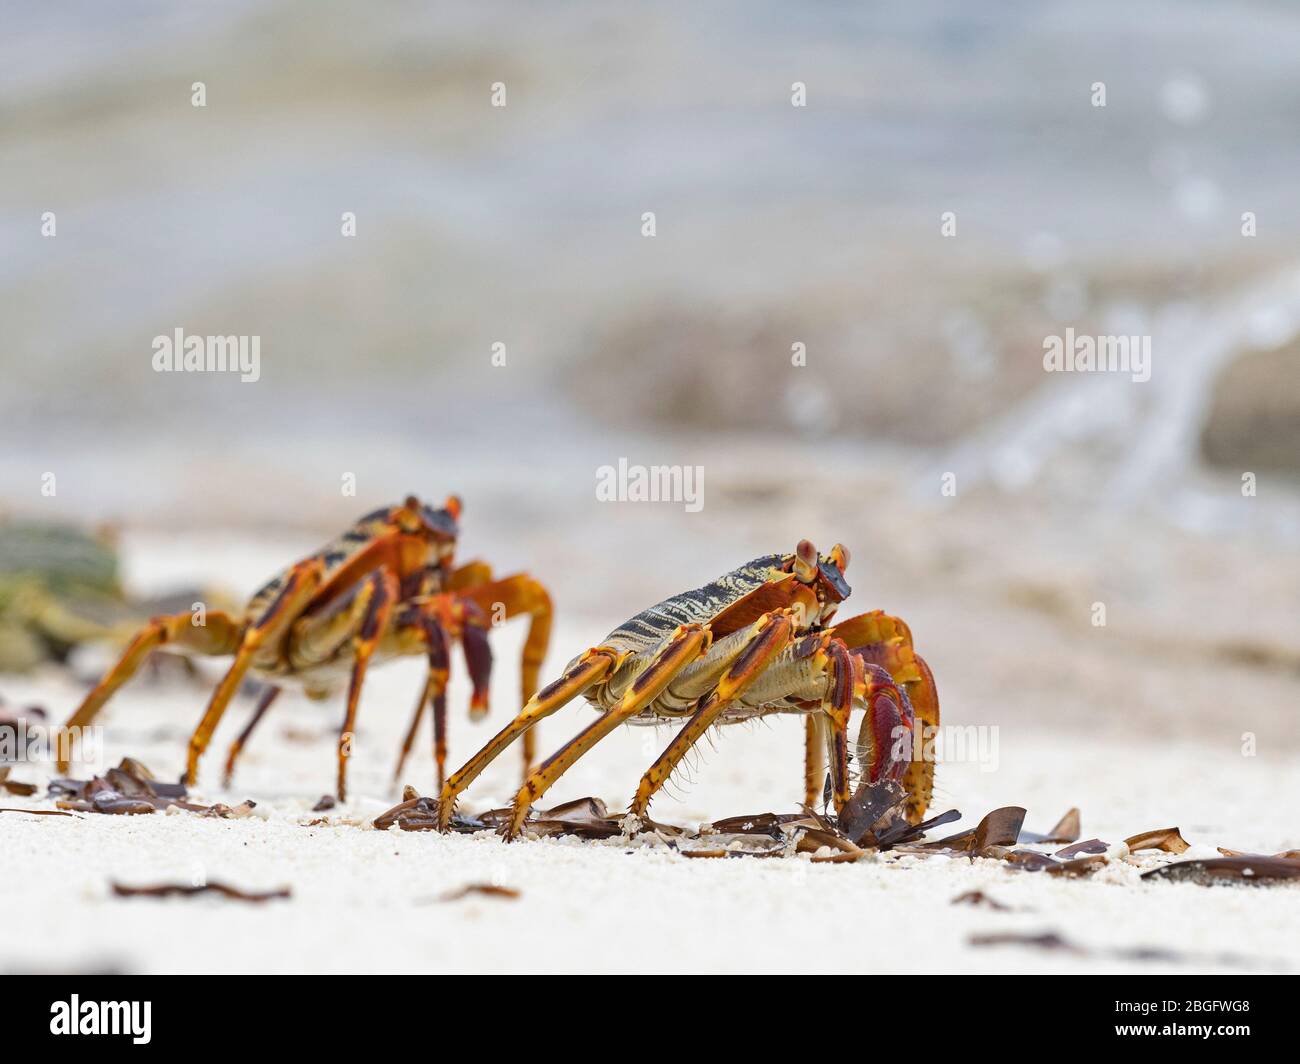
x,y
756,640
386,587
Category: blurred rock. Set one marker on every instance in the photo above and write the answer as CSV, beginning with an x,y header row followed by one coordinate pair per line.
x,y
1254,421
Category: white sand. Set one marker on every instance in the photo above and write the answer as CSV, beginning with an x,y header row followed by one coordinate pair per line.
x,y
365,900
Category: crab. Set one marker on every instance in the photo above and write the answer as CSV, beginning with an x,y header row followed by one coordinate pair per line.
x,y
755,641
386,587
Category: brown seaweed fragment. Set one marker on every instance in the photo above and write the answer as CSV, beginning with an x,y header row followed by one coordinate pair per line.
x,y
1088,846
1168,839
873,807
185,890
1252,870
130,789
771,825
1047,940
490,890
230,812
587,818
981,900
15,787
1000,828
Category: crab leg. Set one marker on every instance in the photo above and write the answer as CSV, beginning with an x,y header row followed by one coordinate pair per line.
x,y
297,589
768,637
435,692
814,759
837,705
376,598
590,669
684,646
472,627
520,594
263,704
219,635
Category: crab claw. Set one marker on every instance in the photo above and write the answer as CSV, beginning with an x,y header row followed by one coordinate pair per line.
x,y
885,740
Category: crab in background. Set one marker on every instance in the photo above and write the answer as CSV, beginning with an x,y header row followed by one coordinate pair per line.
x,y
755,641
60,590
387,587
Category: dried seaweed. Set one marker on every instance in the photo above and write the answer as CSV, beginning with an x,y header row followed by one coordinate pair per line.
x,y
981,900
870,822
415,814
230,812
185,890
904,832
22,790
1026,860
490,890
1000,828
873,807
1252,870
770,824
131,790
1080,866
36,812
1288,855
1053,942
587,818
1088,846
1168,839
1048,940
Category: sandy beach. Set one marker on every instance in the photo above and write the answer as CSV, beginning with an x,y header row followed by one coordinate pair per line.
x,y
366,900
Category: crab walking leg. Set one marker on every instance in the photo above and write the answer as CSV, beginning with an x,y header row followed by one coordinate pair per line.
x,y
299,585
590,669
918,779
219,635
837,705
376,597
814,759
768,637
515,595
263,704
435,694
679,650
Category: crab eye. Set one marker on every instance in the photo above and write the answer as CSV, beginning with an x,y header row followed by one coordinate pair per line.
x,y
805,562
840,556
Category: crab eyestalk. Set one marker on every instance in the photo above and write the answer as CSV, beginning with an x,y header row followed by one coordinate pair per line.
x,y
805,562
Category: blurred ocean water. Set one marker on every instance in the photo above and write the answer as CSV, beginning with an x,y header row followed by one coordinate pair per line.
x,y
521,225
